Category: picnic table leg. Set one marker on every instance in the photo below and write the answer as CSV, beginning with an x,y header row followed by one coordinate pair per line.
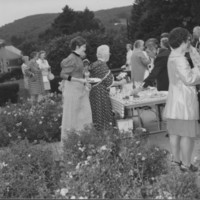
x,y
158,115
139,117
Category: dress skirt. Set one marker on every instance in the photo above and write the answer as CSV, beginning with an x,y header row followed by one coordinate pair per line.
x,y
35,84
76,108
183,128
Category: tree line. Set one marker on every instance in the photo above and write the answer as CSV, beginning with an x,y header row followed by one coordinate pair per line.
x,y
149,18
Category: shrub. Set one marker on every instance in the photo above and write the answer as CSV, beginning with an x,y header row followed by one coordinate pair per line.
x,y
39,122
55,84
8,92
14,74
27,171
110,165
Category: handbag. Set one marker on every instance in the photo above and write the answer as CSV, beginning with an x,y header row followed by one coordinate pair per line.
x,y
50,76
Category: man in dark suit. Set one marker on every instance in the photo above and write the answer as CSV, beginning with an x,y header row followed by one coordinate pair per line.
x,y
159,72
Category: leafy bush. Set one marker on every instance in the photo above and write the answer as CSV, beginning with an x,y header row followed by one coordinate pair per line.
x,y
58,48
110,165
27,171
8,92
96,165
39,122
55,84
14,74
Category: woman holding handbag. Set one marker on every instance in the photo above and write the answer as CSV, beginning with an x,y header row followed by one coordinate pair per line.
x,y
46,70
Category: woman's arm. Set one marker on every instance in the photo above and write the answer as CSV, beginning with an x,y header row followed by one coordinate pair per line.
x,y
67,76
187,75
68,66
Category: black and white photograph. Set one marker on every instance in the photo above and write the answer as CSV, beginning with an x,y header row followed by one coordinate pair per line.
x,y
99,99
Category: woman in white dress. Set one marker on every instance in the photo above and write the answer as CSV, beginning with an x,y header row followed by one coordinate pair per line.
x,y
76,105
45,69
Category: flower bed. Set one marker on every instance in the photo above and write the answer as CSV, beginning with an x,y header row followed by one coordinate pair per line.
x,y
109,164
39,122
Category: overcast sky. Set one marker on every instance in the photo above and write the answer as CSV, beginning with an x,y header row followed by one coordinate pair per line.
x,y
11,10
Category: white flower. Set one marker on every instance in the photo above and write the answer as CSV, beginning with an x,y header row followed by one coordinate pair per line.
x,y
25,130
64,191
29,155
9,135
40,122
81,149
2,165
89,157
72,197
78,166
42,117
139,154
195,158
137,142
157,149
81,198
143,158
103,148
143,129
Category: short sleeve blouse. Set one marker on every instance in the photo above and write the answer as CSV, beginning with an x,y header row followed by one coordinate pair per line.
x,y
73,65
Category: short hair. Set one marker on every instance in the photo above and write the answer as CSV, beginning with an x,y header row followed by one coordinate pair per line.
x,y
33,54
177,36
41,52
103,51
25,58
164,35
129,45
152,43
165,42
138,43
196,29
77,41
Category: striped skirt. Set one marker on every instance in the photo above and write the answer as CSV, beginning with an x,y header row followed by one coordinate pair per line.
x,y
36,85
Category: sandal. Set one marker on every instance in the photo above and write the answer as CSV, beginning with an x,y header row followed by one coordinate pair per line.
x,y
176,163
191,168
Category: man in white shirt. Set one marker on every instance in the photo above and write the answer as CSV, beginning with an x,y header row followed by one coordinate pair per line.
x,y
196,38
128,56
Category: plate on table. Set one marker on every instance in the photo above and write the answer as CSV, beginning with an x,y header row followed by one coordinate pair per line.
x,y
94,80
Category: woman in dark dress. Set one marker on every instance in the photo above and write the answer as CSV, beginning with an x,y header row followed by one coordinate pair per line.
x,y
102,114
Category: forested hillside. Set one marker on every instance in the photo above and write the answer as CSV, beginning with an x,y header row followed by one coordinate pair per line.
x,y
31,26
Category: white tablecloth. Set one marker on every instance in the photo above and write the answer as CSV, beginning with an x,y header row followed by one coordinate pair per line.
x,y
148,97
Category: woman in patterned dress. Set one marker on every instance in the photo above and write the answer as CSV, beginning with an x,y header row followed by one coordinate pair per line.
x,y
76,105
35,82
102,115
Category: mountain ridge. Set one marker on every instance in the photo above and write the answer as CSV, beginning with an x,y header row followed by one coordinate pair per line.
x,y
31,26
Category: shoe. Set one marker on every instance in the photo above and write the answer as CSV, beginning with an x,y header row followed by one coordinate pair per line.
x,y
176,163
191,168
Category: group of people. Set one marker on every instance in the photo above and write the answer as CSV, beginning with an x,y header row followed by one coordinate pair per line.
x,y
86,103
176,69
37,75
147,62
